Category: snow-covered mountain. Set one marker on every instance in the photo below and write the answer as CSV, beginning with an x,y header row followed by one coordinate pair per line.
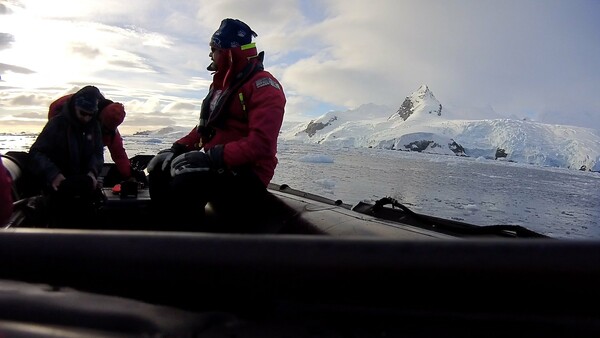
x,y
420,124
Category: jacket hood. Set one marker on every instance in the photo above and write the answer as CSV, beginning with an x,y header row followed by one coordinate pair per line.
x,y
112,115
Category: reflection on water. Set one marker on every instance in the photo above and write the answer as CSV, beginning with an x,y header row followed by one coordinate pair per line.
x,y
558,202
16,142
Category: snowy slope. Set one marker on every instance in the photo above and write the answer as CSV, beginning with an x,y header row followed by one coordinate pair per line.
x,y
420,124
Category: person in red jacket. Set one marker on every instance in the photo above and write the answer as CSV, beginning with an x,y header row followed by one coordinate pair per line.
x,y
6,197
229,158
111,115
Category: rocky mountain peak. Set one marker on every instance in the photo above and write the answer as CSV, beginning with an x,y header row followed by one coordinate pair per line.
x,y
420,102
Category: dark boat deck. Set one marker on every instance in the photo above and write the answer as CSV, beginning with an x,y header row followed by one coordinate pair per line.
x,y
319,268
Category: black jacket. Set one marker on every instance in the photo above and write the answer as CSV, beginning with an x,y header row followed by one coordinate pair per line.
x,y
67,146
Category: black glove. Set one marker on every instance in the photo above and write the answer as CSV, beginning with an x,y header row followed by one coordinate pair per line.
x,y
198,161
76,186
164,157
129,188
139,176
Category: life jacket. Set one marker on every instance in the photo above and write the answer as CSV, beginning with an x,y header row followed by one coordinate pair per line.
x,y
211,119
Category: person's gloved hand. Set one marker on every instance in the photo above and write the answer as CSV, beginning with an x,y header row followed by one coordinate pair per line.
x,y
198,161
77,186
164,157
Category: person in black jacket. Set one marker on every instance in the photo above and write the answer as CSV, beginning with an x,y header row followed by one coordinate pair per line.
x,y
68,155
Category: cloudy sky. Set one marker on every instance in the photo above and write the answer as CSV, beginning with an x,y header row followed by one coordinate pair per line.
x,y
538,59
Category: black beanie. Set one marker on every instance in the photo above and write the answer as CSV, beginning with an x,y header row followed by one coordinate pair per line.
x,y
231,34
87,98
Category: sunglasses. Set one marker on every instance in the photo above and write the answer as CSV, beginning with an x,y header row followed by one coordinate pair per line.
x,y
83,112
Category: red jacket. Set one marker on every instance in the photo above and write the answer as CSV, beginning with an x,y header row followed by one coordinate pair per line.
x,y
6,198
250,127
110,117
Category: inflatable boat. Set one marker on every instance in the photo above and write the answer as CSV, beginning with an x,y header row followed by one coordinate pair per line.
x,y
315,267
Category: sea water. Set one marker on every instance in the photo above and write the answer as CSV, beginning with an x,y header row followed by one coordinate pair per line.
x,y
558,202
